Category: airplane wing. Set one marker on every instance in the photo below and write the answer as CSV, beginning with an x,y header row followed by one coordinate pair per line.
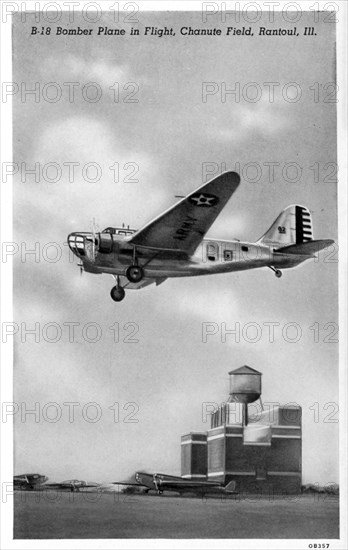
x,y
189,485
138,485
168,484
56,485
141,284
69,485
129,484
183,226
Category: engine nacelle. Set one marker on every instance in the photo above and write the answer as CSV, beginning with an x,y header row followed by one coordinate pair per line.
x,y
105,243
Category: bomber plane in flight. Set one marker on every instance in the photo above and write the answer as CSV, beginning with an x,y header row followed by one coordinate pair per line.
x,y
173,244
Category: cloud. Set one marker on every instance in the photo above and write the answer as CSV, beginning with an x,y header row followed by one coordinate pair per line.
x,y
97,177
263,119
104,72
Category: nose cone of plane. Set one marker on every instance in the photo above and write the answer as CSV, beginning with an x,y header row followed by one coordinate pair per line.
x,y
76,244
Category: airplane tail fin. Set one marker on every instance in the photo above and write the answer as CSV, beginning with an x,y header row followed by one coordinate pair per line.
x,y
292,227
230,487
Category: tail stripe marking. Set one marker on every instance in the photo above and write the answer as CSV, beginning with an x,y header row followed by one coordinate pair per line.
x,y
303,225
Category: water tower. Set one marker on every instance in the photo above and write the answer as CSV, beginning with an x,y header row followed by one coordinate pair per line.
x,y
245,387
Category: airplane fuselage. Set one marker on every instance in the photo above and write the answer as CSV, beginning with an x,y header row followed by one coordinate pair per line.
x,y
211,256
174,245
165,482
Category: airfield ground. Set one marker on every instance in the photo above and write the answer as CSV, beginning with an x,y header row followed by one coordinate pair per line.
x,y
105,515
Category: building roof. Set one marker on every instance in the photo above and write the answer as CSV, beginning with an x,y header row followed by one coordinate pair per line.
x,y
245,370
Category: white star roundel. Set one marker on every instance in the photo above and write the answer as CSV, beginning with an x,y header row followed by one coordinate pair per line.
x,y
203,199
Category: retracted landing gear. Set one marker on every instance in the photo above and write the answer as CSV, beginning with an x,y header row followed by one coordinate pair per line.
x,y
277,272
134,272
117,293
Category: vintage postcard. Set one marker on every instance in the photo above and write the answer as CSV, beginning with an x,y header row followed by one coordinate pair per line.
x,y
174,261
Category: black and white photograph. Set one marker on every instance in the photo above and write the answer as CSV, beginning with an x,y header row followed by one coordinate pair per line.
x,y
174,275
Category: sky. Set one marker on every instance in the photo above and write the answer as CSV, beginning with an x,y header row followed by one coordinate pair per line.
x,y
150,372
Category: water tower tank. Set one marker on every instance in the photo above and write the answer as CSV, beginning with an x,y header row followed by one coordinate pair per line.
x,y
245,385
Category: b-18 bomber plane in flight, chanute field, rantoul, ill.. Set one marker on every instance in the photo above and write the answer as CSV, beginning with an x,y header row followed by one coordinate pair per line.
x,y
173,244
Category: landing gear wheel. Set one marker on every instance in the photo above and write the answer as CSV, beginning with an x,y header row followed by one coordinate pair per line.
x,y
117,293
134,273
276,272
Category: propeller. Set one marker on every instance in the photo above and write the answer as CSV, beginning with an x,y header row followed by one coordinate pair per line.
x,y
94,230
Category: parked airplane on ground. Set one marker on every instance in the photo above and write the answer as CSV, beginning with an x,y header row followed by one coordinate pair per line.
x,y
164,482
73,485
173,244
31,482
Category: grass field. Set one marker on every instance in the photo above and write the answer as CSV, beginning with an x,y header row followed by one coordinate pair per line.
x,y
76,515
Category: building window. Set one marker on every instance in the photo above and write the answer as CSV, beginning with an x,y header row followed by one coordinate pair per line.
x,y
228,254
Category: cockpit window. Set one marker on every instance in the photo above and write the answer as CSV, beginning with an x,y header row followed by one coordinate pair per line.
x,y
77,244
119,231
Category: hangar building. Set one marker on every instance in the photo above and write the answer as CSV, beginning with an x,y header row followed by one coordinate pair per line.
x,y
262,453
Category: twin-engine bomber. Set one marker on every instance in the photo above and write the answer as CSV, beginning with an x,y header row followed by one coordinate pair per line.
x,y
164,482
173,244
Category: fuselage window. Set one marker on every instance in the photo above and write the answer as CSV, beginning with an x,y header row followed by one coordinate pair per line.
x,y
228,255
245,248
212,252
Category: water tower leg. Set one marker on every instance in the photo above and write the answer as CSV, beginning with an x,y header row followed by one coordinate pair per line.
x,y
245,414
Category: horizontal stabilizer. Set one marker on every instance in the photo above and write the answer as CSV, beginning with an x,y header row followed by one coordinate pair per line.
x,y
230,487
305,249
